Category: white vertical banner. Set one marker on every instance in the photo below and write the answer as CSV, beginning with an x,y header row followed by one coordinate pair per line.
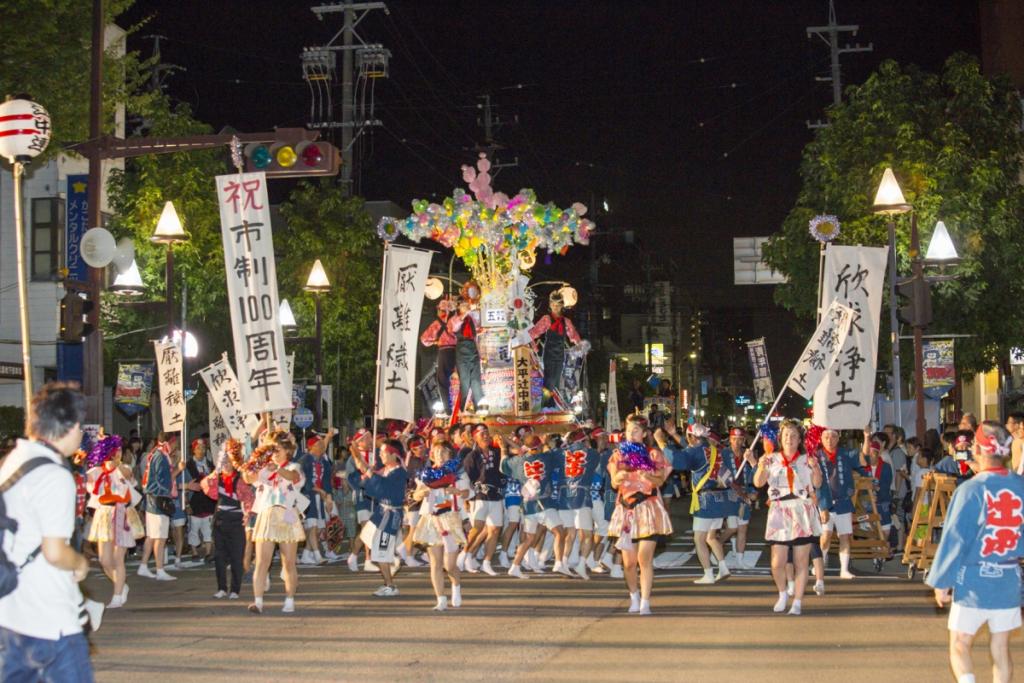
x,y
405,274
283,418
172,397
218,428
822,350
222,384
611,413
252,292
761,372
854,277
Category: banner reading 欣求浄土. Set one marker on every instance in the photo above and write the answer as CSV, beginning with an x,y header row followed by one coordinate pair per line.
x,y
222,385
855,277
252,292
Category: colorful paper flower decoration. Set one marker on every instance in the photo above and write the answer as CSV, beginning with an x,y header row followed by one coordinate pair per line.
x,y
824,228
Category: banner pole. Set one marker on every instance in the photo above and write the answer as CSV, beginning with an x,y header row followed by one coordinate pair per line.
x,y
380,339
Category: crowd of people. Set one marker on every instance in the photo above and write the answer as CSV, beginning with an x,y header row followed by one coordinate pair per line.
x,y
465,500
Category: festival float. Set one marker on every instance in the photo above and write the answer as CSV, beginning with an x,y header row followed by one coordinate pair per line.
x,y
498,238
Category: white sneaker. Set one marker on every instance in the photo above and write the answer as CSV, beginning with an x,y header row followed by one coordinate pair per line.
x,y
411,561
460,561
442,604
256,608
385,592
707,579
780,604
645,607
145,572
486,568
472,567
581,569
332,556
503,561
115,602
161,575
124,594
220,595
565,569
592,564
232,596
634,603
353,562
607,560
795,609
616,572
516,571
306,558
847,575
318,558
94,608
289,605
457,596
599,569
723,572
370,567
819,588
790,588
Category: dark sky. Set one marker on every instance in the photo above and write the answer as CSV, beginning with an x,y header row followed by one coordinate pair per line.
x,y
688,116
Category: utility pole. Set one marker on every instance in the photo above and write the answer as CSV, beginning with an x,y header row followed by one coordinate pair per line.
x,y
832,31
92,356
318,67
489,121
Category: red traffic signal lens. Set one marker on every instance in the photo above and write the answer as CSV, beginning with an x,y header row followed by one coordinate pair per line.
x,y
312,155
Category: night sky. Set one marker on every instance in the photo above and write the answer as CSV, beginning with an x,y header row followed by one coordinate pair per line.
x,y
689,117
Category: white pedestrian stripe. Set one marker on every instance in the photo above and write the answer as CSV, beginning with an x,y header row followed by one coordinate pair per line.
x,y
671,560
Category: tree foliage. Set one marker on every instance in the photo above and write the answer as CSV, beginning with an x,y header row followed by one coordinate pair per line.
x,y
955,143
46,54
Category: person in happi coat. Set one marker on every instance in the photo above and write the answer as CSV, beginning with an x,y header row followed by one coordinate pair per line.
x,y
386,488
556,330
465,327
437,335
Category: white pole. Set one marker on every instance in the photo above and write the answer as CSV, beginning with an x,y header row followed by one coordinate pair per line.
x,y
380,341
19,241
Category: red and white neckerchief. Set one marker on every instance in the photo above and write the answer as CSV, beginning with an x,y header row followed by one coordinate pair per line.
x,y
103,478
318,473
831,455
228,481
557,325
876,471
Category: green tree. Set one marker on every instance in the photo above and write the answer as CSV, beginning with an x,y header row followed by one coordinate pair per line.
x,y
323,223
954,141
46,54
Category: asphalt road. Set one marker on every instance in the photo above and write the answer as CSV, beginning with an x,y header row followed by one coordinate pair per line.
x,y
876,628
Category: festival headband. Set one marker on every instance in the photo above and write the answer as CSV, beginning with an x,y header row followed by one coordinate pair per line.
x,y
575,436
479,428
737,431
312,441
990,444
103,450
875,445
597,433
698,430
615,436
195,442
360,433
416,441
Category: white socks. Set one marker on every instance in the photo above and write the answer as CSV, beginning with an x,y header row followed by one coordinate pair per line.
x,y
844,561
732,542
259,602
457,595
780,604
965,678
634,602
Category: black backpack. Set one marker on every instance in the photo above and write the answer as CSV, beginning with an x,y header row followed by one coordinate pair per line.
x,y
8,570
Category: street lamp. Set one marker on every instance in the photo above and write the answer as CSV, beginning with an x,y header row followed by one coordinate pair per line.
x,y
285,315
24,133
169,231
889,201
317,283
128,282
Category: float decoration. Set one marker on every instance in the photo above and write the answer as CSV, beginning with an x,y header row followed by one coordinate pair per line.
x,y
824,228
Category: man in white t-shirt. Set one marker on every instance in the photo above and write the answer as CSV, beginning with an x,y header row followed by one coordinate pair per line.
x,y
40,632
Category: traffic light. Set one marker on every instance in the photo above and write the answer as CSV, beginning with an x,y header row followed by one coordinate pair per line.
x,y
916,302
287,159
73,309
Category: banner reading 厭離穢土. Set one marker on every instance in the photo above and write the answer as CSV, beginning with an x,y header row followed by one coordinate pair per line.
x,y
405,274
172,396
854,277
821,351
252,292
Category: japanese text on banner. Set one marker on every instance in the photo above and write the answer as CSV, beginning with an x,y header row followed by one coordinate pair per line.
x,y
763,390
611,413
252,292
218,428
405,274
222,383
172,397
283,418
854,277
822,350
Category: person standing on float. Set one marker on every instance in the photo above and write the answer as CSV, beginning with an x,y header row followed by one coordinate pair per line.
x,y
437,334
555,328
465,327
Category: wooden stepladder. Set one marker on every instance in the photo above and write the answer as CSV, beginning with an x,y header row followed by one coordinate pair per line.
x,y
930,507
869,541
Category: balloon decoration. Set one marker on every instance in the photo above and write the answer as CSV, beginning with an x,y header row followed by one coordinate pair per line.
x,y
491,232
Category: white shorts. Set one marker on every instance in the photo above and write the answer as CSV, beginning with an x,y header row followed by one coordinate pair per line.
x,y
157,526
582,518
548,518
706,524
178,522
314,523
412,518
385,552
600,523
362,516
200,530
732,521
842,524
490,512
970,619
513,514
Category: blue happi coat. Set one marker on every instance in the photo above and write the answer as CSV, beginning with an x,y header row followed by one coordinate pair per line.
x,y
541,468
387,492
839,476
579,467
981,547
717,500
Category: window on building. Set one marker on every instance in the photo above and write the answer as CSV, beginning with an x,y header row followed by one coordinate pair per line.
x,y
47,232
